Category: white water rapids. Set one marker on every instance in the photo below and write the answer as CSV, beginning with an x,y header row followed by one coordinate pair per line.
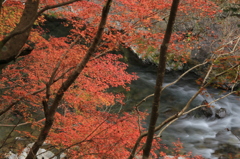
x,y
209,137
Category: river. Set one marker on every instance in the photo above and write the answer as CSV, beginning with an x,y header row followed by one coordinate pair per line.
x,y
210,137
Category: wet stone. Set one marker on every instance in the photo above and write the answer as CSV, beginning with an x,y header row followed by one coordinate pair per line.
x,y
221,113
207,111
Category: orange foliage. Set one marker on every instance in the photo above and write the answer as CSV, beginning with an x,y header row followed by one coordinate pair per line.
x,y
82,129
95,134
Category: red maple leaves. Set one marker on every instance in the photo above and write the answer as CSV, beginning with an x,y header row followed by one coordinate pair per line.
x,y
80,128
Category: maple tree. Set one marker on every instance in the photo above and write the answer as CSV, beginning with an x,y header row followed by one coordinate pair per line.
x,y
85,95
64,81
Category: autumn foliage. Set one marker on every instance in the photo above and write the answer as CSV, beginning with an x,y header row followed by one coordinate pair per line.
x,y
82,128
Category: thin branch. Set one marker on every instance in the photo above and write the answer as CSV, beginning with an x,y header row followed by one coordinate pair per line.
x,y
235,46
56,6
63,74
144,100
7,125
222,73
160,133
51,80
84,140
9,134
209,103
170,84
236,78
180,77
104,53
208,74
31,93
19,99
222,47
139,120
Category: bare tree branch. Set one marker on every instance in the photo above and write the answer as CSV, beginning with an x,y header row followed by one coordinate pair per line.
x,y
209,103
180,77
8,125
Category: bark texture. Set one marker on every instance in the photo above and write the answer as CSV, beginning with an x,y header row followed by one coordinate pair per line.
x,y
159,81
10,48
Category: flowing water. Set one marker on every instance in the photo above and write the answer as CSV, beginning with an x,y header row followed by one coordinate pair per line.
x,y
209,137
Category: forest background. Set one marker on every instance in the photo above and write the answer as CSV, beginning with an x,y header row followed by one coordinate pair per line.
x,y
59,85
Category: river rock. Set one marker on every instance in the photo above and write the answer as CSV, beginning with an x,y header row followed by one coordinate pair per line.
x,y
223,157
226,151
221,113
207,111
236,131
200,54
172,157
41,154
204,111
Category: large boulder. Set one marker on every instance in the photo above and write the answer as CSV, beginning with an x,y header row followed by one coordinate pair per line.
x,y
201,54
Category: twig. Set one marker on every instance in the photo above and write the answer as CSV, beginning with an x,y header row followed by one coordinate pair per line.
x,y
170,84
222,73
51,80
7,125
180,77
19,99
209,103
160,133
9,134
236,78
139,121
84,140
193,110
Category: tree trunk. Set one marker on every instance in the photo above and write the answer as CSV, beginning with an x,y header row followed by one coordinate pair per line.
x,y
12,48
159,81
